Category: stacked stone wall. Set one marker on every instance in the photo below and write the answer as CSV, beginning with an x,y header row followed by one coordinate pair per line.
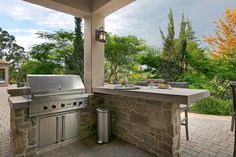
x,y
150,125
23,133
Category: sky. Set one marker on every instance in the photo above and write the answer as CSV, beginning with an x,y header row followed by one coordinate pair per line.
x,y
142,18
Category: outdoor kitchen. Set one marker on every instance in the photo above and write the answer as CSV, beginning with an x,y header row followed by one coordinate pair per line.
x,y
54,110
51,115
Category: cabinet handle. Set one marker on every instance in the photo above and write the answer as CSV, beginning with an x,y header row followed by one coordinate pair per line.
x,y
63,128
57,130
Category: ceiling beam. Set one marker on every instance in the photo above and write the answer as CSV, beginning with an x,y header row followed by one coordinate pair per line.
x,y
81,8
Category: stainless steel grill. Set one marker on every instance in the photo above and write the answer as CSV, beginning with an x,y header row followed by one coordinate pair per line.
x,y
55,93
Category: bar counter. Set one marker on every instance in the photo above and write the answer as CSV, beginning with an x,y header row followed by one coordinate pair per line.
x,y
148,117
174,95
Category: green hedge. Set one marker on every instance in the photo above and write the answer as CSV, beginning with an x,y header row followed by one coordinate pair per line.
x,y
213,106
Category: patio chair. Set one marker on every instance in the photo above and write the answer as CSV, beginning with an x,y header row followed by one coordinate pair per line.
x,y
233,122
233,86
183,107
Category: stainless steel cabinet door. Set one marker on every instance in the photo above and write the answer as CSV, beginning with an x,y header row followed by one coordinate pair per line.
x,y
70,125
48,131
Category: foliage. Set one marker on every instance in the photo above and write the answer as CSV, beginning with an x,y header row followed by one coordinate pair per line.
x,y
151,60
186,36
62,52
169,52
171,62
183,60
48,57
213,106
121,54
11,52
225,70
75,60
223,53
225,36
205,73
37,67
55,49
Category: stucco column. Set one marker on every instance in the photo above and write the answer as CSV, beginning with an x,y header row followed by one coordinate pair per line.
x,y
93,53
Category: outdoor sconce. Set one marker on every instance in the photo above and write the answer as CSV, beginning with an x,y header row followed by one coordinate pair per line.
x,y
101,35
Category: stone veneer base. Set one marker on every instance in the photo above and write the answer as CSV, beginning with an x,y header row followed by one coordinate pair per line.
x,y
24,129
151,125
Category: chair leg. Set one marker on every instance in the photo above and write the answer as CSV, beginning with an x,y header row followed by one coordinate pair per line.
x,y
186,124
234,155
232,124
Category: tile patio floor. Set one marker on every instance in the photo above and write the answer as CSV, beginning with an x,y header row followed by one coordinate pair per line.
x,y
209,136
89,148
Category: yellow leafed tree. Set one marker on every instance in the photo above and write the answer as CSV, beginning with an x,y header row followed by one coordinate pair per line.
x,y
224,40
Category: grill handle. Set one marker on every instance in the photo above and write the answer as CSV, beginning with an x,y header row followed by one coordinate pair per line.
x,y
57,130
63,128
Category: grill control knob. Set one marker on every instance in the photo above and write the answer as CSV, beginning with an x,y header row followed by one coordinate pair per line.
x,y
74,103
45,107
54,106
63,105
81,102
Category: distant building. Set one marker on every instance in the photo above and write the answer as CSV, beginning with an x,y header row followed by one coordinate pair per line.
x,y
4,73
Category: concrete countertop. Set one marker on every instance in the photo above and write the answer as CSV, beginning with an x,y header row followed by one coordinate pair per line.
x,y
18,102
18,91
174,95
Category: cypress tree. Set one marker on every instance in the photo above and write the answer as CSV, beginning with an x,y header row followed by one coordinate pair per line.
x,y
174,52
75,62
169,41
182,44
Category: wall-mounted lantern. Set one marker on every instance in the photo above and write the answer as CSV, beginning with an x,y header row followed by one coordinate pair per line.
x,y
101,35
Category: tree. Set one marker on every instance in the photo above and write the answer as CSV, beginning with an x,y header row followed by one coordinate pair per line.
x,y
37,67
169,42
224,42
62,52
11,52
223,53
152,62
121,55
75,61
57,46
174,54
48,57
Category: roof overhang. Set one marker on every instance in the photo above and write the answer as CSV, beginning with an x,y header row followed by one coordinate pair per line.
x,y
83,8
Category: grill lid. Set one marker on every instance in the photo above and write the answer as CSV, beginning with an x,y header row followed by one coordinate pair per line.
x,y
46,84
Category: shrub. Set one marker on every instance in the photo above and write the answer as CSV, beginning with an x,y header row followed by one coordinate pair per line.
x,y
214,106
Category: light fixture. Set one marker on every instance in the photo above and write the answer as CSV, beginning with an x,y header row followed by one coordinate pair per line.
x,y
101,35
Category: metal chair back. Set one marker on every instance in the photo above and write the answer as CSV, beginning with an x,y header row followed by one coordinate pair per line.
x,y
178,84
233,87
